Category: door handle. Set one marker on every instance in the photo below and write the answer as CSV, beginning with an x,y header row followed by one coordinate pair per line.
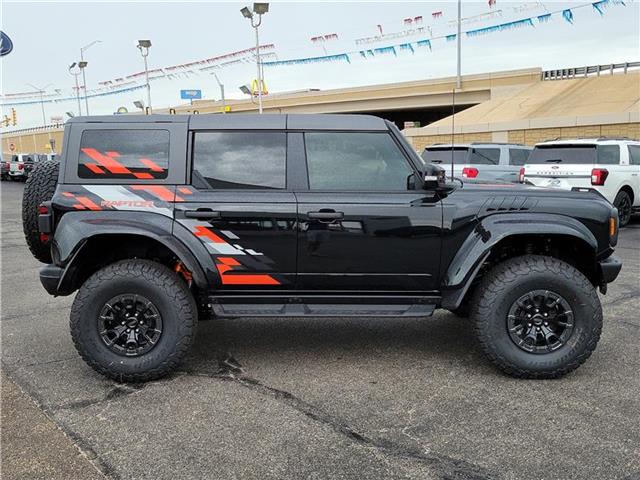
x,y
326,215
203,214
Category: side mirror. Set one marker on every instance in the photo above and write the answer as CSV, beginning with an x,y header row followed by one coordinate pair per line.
x,y
433,177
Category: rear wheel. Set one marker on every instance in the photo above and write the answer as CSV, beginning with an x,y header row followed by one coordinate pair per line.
x,y
40,187
133,321
536,317
623,203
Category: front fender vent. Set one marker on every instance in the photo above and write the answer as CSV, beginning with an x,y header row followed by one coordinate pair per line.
x,y
507,204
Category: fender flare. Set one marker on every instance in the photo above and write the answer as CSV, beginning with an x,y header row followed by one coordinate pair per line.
x,y
492,230
75,229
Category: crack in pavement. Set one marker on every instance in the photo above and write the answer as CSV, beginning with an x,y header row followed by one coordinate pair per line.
x,y
447,467
117,391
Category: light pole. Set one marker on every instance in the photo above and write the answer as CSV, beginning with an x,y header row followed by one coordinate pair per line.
x,y
75,72
143,46
459,37
84,78
224,103
259,9
41,91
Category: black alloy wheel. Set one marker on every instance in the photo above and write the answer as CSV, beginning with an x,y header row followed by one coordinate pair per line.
x,y
540,321
623,204
130,325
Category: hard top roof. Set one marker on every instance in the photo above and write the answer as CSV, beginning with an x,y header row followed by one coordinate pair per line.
x,y
249,121
588,141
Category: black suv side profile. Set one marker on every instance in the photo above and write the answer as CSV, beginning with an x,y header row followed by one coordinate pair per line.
x,y
158,221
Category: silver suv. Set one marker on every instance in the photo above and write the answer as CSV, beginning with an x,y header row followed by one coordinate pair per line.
x,y
480,161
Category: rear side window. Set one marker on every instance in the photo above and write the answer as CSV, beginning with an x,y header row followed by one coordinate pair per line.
x,y
126,154
240,160
485,156
608,154
355,162
518,156
634,154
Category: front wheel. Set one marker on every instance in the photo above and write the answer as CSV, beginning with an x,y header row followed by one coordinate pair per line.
x,y
133,321
536,317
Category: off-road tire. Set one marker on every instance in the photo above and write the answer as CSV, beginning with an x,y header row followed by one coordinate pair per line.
x,y
507,282
623,198
40,187
165,289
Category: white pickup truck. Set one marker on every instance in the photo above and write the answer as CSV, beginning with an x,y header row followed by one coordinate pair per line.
x,y
609,165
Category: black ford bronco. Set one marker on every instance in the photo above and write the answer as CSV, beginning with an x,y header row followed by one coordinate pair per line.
x,y
160,220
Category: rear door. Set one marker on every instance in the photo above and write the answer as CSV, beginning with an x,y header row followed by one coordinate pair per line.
x,y
238,205
362,226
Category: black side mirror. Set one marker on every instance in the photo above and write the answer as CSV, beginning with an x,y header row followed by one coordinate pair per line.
x,y
433,177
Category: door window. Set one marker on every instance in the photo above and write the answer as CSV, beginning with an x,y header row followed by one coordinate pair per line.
x,y
126,154
518,156
634,154
240,160
485,156
355,162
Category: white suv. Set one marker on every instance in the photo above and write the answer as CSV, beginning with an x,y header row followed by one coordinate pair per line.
x,y
609,165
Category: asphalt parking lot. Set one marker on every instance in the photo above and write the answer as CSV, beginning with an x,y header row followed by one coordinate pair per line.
x,y
312,398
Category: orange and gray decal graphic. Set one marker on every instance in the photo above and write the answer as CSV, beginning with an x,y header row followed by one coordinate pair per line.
x,y
236,264
144,198
107,164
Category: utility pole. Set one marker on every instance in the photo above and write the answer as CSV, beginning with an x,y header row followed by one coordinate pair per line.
x,y
41,91
84,78
459,38
224,103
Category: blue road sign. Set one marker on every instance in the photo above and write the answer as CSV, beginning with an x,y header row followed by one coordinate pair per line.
x,y
6,45
190,94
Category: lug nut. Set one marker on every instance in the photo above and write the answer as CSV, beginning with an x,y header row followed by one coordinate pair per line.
x,y
546,323
137,330
546,314
528,324
122,322
538,328
140,322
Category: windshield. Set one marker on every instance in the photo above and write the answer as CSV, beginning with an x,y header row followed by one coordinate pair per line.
x,y
443,155
554,154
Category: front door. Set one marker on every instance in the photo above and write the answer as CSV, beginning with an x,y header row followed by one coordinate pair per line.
x,y
238,207
362,226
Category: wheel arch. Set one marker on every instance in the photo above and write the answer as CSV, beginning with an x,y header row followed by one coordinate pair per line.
x,y
85,242
499,237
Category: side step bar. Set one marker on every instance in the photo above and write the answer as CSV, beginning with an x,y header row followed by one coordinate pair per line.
x,y
322,306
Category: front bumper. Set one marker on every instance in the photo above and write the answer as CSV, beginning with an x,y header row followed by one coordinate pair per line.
x,y
50,276
609,269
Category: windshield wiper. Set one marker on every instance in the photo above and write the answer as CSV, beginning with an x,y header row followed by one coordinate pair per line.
x,y
554,160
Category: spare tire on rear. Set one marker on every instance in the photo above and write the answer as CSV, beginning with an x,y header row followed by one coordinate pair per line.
x,y
40,187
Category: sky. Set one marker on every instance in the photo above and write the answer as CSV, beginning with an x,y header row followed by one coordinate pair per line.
x,y
48,35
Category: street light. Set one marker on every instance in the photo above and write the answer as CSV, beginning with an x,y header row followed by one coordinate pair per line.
x,y
75,69
84,78
41,91
224,103
143,46
259,9
139,104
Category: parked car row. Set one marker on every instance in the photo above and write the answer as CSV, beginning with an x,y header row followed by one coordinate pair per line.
x,y
610,166
20,165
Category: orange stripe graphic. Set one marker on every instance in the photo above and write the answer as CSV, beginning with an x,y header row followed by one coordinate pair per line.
x,y
152,165
163,193
143,176
94,168
106,161
88,203
205,232
241,279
